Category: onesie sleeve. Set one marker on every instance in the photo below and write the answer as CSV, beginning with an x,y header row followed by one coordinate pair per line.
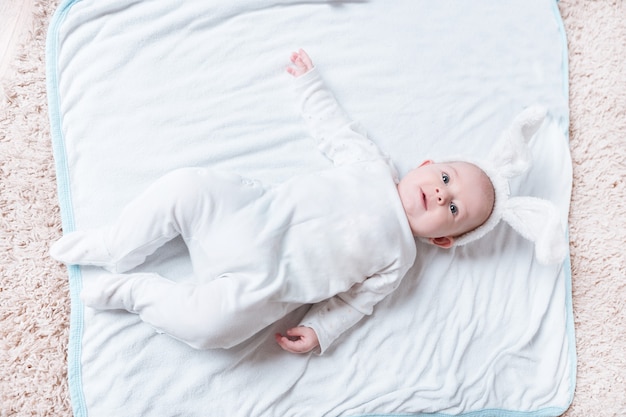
x,y
342,140
332,317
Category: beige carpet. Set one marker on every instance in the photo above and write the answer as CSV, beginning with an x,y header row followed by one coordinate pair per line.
x,y
34,303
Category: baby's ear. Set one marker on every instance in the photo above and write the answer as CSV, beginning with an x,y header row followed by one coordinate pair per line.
x,y
426,162
443,242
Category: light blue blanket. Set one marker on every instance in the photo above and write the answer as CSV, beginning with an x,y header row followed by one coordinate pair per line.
x,y
138,88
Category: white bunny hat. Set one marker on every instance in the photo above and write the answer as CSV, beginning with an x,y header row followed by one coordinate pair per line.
x,y
535,219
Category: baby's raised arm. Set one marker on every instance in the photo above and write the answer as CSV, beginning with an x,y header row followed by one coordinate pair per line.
x,y
301,63
338,137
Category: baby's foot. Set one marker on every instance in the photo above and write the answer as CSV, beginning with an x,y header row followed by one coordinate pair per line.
x,y
83,248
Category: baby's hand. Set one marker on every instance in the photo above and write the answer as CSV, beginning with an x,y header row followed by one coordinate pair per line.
x,y
298,340
302,63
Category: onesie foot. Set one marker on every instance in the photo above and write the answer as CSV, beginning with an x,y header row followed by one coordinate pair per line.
x,y
109,292
83,248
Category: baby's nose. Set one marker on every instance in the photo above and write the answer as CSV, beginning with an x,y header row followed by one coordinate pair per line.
x,y
442,195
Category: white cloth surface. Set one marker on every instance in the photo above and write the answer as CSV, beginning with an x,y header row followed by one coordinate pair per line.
x,y
138,89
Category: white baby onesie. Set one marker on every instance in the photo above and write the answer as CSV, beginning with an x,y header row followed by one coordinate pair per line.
x,y
336,238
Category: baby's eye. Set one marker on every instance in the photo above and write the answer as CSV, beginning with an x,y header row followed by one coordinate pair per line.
x,y
445,177
454,209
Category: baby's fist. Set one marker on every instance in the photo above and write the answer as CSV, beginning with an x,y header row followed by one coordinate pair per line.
x,y
299,339
301,63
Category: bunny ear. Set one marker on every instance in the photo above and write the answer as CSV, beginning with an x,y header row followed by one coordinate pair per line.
x,y
511,155
538,221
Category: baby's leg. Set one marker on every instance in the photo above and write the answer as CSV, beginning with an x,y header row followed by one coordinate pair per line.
x,y
216,314
178,203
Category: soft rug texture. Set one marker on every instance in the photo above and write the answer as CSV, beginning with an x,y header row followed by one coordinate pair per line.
x,y
34,301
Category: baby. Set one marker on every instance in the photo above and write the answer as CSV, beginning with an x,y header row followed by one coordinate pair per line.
x,y
341,239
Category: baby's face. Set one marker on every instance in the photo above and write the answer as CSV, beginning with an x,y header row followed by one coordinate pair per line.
x,y
445,200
